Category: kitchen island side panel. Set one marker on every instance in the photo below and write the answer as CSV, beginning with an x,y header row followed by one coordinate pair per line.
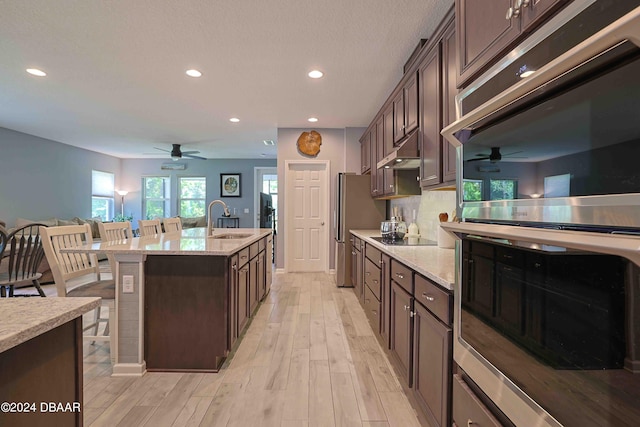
x,y
186,313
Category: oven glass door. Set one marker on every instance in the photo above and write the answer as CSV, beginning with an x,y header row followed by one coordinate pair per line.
x,y
576,136
552,320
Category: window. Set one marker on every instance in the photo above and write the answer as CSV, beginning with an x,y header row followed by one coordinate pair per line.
x,y
472,190
156,198
192,196
102,197
503,189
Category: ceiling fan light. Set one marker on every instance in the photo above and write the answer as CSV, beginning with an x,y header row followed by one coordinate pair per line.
x,y
175,158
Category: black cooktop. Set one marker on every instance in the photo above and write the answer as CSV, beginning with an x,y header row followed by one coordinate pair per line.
x,y
413,241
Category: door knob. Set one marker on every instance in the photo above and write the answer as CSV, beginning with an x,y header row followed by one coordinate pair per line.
x,y
322,223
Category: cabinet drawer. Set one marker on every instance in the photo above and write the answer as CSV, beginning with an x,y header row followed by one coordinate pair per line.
x,y
372,309
372,277
468,409
434,298
510,256
373,253
262,243
254,249
243,257
402,275
482,249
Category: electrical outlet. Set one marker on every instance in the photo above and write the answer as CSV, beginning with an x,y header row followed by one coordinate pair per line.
x,y
127,284
246,210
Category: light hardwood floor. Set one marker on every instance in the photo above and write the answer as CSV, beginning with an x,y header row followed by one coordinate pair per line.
x,y
309,358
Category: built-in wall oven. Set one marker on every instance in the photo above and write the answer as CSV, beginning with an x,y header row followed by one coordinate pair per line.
x,y
547,296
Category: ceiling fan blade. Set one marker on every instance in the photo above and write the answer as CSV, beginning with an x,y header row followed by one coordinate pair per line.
x,y
511,154
162,149
190,152
478,159
191,156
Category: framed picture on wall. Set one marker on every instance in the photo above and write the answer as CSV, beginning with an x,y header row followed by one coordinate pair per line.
x,y
230,184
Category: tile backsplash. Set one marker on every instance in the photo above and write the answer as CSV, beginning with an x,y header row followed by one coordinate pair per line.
x,y
427,208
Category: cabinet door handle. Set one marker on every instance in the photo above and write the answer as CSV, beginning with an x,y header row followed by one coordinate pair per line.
x,y
412,313
353,252
428,297
243,257
381,262
509,13
374,312
375,281
469,423
400,275
368,273
526,3
406,307
234,267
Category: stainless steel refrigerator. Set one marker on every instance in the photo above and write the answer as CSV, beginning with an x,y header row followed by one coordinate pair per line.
x,y
354,209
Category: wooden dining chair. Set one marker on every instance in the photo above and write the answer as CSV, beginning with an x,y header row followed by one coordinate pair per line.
x,y
149,227
78,275
172,224
21,256
114,232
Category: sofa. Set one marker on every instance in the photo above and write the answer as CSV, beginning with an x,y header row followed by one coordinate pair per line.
x,y
47,276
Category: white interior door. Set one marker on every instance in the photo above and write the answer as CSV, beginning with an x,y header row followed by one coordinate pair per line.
x,y
307,202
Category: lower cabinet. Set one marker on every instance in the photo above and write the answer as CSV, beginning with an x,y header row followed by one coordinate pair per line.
x,y
401,325
432,343
243,297
233,300
468,409
413,319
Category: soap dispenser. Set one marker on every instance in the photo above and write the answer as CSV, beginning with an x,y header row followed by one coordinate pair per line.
x,y
413,227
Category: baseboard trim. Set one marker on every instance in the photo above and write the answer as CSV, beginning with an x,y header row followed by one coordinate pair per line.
x,y
129,369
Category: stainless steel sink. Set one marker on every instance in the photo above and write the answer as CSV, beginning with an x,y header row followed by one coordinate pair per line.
x,y
231,236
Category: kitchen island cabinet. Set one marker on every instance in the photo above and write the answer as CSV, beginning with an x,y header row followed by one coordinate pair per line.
x,y
41,360
188,304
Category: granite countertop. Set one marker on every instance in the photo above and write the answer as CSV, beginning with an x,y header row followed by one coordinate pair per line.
x,y
191,241
22,319
435,263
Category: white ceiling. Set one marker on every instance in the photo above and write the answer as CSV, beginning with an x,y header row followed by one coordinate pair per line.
x,y
116,81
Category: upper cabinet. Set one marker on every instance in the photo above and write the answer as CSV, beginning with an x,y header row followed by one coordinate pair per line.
x,y
437,84
405,109
487,28
365,153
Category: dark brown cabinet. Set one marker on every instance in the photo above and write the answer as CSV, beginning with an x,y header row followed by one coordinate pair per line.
x,y
261,275
405,109
233,300
401,304
437,109
487,28
356,266
365,153
412,317
385,295
243,295
449,92
432,343
430,95
253,285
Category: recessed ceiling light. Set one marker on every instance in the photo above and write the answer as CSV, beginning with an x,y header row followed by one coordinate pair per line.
x,y
193,73
312,119
526,74
36,72
234,119
315,74
268,142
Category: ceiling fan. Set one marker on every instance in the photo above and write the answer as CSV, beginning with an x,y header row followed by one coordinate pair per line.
x,y
495,156
177,153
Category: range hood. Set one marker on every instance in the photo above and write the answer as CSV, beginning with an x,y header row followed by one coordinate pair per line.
x,y
405,156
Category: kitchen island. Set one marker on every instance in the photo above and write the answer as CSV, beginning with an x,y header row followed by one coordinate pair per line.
x,y
182,299
41,360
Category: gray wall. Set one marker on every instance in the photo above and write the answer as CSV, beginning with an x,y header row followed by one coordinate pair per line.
x,y
41,179
134,169
341,147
